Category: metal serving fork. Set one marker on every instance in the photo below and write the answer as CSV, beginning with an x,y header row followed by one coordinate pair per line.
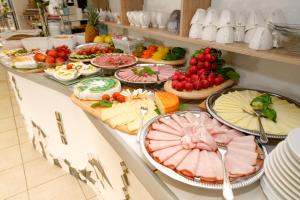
x,y
143,112
262,134
227,190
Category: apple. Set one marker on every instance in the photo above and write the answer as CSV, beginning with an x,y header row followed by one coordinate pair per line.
x,y
39,57
50,59
60,60
52,53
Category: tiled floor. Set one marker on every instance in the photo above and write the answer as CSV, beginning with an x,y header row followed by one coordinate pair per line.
x,y
24,173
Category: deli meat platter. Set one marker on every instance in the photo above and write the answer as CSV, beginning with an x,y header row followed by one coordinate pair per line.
x,y
145,74
184,146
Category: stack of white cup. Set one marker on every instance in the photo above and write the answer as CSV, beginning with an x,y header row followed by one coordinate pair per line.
x,y
226,23
143,19
197,24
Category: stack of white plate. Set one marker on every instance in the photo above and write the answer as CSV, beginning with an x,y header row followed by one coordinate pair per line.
x,y
282,169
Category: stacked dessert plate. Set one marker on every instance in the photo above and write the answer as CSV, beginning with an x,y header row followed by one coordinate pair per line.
x,y
282,169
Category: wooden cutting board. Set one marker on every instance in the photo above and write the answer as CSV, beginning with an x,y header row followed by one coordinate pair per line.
x,y
173,62
86,106
201,94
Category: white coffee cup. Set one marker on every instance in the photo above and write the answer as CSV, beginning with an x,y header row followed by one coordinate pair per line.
x,y
199,16
225,35
145,19
196,31
211,17
153,19
249,34
162,19
226,19
209,33
240,19
255,19
239,33
262,39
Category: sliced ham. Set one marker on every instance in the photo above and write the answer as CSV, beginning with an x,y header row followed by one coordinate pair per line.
x,y
166,129
203,146
189,128
175,159
245,146
189,164
179,120
237,167
190,117
203,136
203,119
241,152
158,145
158,135
250,160
164,154
221,138
204,167
248,138
216,164
171,123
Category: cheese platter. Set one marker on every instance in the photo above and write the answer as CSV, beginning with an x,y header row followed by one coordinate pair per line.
x,y
119,110
233,108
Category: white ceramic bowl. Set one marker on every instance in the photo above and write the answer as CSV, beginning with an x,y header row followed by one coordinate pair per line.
x,y
41,43
58,40
80,38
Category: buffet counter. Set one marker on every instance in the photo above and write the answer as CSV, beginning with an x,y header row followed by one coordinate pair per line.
x,y
108,160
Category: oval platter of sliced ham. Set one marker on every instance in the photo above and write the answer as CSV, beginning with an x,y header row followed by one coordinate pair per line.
x,y
145,74
184,146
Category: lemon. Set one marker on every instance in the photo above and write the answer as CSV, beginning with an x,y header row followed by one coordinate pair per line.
x,y
108,39
99,39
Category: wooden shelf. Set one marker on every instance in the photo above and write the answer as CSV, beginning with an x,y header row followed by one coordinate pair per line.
x,y
278,55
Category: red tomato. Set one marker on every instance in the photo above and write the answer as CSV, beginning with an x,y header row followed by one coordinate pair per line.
x,y
115,95
69,66
105,97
